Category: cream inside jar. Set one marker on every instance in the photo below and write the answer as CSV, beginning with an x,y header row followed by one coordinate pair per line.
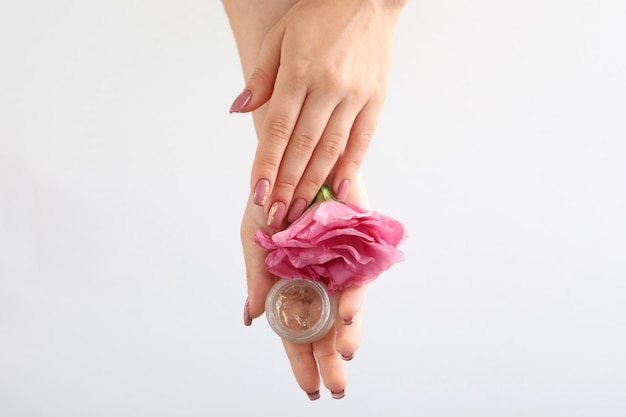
x,y
300,310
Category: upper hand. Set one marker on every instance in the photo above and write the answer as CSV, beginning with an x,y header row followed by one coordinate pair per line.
x,y
324,69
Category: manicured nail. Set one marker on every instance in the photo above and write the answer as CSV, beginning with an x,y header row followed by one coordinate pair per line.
x,y
261,190
347,358
296,209
241,101
314,395
347,322
276,215
344,188
338,395
247,320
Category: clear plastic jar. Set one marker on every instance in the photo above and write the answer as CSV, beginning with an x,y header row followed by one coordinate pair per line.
x,y
300,310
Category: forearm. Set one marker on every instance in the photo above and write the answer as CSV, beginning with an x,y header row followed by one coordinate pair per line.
x,y
250,22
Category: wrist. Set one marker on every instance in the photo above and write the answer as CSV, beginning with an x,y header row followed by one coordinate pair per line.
x,y
389,8
394,5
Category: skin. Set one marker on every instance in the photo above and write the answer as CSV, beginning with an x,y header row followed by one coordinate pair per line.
x,y
318,72
314,362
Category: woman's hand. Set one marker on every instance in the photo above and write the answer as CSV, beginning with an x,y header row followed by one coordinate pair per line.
x,y
314,362
323,69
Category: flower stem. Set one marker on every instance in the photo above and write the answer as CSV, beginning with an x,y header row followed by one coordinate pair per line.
x,y
324,194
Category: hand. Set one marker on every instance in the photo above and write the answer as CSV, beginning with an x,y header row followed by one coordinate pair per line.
x,y
323,358
323,67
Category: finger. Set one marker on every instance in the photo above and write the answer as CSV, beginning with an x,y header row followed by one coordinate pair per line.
x,y
325,155
304,366
360,138
331,367
258,277
350,302
313,118
349,321
282,114
260,83
349,337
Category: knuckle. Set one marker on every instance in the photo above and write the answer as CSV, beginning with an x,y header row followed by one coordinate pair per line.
x,y
265,167
304,143
260,77
311,183
335,80
299,67
361,94
364,137
331,81
332,146
278,128
286,186
351,165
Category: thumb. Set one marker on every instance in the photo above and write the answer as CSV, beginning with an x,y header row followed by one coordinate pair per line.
x,y
260,83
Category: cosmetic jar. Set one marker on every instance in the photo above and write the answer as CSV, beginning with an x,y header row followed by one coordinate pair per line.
x,y
300,310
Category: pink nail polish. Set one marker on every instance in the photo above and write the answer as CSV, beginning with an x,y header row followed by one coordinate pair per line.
x,y
347,358
314,395
296,209
247,320
347,322
276,214
241,101
338,395
261,190
343,190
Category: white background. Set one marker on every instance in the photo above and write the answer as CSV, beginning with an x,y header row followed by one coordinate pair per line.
x,y
502,147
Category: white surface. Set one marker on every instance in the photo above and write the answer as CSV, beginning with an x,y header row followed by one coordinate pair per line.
x,y
122,181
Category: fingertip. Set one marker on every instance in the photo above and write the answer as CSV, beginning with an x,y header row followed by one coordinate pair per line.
x,y
313,396
256,298
296,209
247,320
348,339
254,310
261,191
241,101
337,395
343,189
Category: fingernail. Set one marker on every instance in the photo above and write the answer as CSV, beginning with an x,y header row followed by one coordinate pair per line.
x,y
347,358
241,101
247,320
344,188
276,215
338,395
261,190
296,209
347,322
314,395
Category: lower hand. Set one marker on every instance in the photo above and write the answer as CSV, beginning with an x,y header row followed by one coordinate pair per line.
x,y
315,362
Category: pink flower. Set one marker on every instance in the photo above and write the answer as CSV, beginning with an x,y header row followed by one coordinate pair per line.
x,y
335,243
